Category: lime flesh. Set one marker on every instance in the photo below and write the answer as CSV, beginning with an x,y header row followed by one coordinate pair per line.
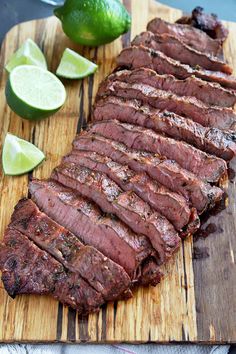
x,y
19,156
34,93
93,22
28,54
74,66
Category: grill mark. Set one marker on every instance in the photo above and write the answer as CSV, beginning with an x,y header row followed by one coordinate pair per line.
x,y
83,328
97,327
30,174
104,322
3,54
81,108
183,333
115,313
66,269
90,91
149,335
59,320
71,325
40,35
90,100
185,275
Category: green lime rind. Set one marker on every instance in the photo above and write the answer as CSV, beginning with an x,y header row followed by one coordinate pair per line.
x,y
75,66
19,156
28,54
34,93
93,22
23,109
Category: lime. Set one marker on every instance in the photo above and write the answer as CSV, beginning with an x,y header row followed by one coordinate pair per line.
x,y
29,53
74,66
34,93
93,22
19,156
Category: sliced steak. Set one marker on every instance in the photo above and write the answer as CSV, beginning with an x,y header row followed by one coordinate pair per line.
x,y
171,205
167,172
26,269
208,23
175,48
210,93
136,57
212,140
193,37
86,221
190,107
127,206
207,167
100,272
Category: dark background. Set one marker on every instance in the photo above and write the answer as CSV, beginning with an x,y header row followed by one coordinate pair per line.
x,y
15,11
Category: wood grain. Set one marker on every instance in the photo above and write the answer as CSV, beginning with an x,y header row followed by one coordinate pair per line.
x,y
197,300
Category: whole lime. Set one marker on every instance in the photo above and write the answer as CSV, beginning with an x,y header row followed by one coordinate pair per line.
x,y
93,22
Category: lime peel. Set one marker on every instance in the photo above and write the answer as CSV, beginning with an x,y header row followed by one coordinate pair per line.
x,y
34,93
19,156
75,66
29,53
93,22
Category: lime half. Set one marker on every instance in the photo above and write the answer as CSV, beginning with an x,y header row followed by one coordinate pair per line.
x,y
28,54
34,93
74,66
19,156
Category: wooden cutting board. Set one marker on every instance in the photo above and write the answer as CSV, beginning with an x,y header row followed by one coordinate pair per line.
x,y
197,301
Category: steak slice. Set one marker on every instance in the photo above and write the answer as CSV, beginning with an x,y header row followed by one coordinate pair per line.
x,y
127,206
193,37
109,279
136,57
26,269
167,172
208,23
207,167
210,93
190,107
212,140
86,221
171,205
176,49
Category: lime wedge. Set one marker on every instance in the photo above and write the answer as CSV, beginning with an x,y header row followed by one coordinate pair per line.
x,y
19,156
34,93
74,66
28,54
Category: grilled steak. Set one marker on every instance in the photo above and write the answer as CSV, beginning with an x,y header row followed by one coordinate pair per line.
x,y
210,93
86,221
136,57
166,172
207,167
207,23
211,140
112,213
171,205
193,37
26,269
109,278
190,107
175,48
125,205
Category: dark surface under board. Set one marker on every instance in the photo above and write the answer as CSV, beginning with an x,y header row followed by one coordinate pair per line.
x,y
16,11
